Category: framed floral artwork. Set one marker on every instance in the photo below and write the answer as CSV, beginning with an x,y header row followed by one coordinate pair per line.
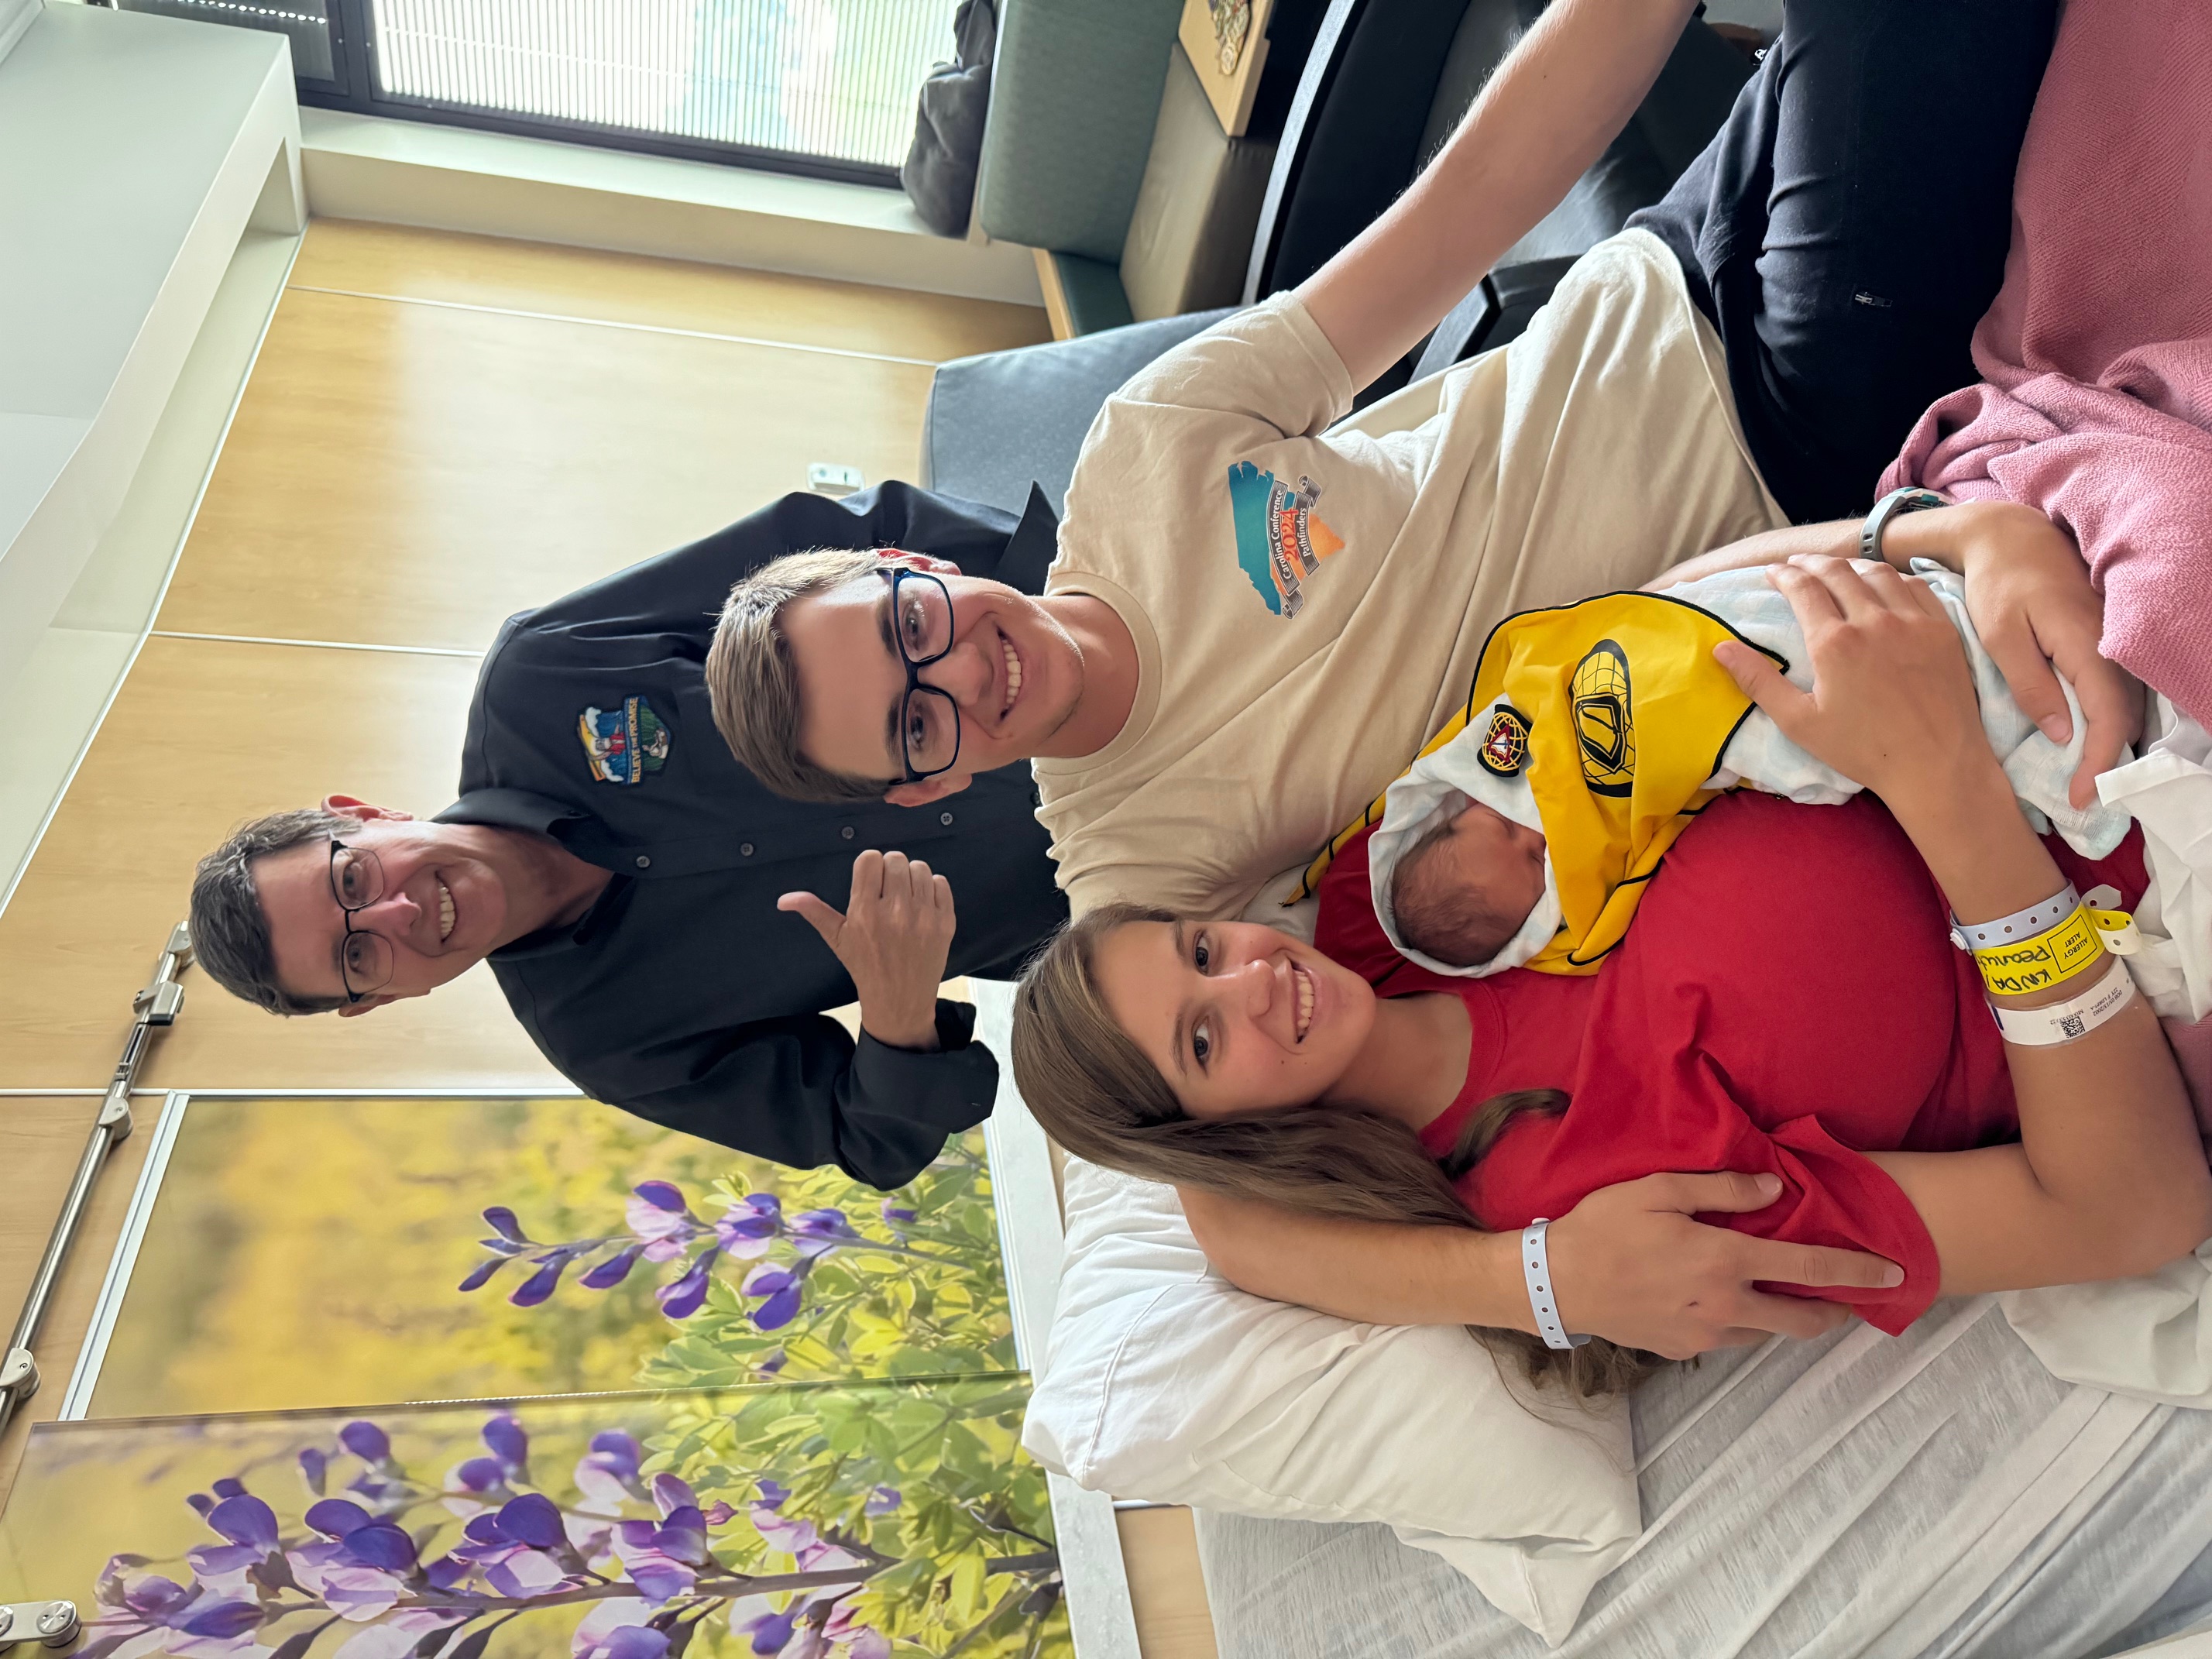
x,y
813,1521
427,1376
301,1251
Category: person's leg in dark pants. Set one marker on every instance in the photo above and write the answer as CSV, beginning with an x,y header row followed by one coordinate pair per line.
x,y
1847,227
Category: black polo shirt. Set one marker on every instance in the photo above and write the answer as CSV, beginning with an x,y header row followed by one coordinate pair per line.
x,y
683,994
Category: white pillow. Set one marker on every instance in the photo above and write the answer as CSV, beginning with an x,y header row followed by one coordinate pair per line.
x,y
1162,1381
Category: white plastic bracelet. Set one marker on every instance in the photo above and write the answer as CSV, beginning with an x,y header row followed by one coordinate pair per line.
x,y
1536,1267
2021,925
1894,505
2065,1022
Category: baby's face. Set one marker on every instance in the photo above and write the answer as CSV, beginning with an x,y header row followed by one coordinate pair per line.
x,y
1488,852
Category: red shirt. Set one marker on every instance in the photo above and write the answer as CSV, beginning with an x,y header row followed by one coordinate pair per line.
x,y
1788,999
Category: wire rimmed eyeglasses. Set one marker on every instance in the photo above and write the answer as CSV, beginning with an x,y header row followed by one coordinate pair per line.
x,y
356,883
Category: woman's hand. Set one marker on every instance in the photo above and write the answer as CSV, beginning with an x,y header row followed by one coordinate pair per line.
x,y
2028,593
1892,704
1631,1263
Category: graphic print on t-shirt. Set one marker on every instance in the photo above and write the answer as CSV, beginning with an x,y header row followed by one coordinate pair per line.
x,y
1279,542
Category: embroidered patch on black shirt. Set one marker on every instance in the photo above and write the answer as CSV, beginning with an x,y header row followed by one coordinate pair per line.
x,y
625,744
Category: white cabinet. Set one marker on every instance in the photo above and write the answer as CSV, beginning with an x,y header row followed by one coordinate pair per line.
x,y
139,155
15,16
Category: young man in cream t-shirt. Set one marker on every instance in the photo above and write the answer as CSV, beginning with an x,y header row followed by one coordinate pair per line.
x,y
1257,619
1307,605
1258,615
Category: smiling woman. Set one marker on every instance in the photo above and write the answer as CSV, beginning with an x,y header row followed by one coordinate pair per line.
x,y
1229,1057
1165,1047
1238,1018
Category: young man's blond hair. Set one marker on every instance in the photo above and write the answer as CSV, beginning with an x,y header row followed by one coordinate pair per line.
x,y
753,685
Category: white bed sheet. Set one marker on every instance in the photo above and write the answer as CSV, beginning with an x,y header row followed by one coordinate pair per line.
x,y
1938,1494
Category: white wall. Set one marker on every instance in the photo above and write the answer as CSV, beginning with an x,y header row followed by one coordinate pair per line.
x,y
1765,15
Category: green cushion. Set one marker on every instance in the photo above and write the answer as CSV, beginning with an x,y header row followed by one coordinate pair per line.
x,y
1096,299
1075,93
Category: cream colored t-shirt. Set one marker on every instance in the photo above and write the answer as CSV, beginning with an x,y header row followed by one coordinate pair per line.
x,y
1308,604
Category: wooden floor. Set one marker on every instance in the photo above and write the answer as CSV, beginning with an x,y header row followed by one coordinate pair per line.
x,y
440,430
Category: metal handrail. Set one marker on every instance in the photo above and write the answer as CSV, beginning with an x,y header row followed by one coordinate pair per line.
x,y
154,1006
50,1624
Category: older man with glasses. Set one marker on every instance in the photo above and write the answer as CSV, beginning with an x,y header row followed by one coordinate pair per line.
x,y
651,911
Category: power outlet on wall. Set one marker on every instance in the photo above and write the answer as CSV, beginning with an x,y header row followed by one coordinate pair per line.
x,y
829,479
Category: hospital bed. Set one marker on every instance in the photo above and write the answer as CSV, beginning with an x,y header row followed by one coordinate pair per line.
x,y
1938,1495
1934,1496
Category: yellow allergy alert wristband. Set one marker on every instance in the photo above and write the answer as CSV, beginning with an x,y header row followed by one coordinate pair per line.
x,y
2048,959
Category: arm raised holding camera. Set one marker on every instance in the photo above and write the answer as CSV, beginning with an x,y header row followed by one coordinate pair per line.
x,y
1559,99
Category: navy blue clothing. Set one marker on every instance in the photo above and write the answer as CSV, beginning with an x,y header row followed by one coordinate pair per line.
x,y
683,994
1847,227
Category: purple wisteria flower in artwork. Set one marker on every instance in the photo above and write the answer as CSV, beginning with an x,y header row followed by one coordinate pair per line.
x,y
663,1230
608,1474
845,1521
751,1226
778,1290
635,1557
805,1275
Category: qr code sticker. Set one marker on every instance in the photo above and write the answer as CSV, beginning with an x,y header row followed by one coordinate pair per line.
x,y
2073,1024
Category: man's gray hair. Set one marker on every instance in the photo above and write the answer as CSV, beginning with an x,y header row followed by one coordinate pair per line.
x,y
231,940
752,684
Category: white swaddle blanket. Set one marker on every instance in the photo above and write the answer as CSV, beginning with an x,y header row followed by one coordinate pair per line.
x,y
1758,758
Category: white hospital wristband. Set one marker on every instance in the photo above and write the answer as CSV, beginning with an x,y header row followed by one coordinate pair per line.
x,y
1894,505
2064,1022
1536,1267
2020,926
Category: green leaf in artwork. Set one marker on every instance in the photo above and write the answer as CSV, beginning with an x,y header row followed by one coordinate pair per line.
x,y
964,1591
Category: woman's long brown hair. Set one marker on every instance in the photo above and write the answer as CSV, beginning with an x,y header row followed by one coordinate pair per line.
x,y
1095,1093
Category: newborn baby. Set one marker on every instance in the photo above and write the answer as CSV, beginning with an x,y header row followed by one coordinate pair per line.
x,y
1465,885
1595,734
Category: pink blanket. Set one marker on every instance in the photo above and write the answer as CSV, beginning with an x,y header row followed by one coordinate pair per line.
x,y
2097,355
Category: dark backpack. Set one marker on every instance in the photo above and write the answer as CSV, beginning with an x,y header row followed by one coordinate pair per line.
x,y
939,174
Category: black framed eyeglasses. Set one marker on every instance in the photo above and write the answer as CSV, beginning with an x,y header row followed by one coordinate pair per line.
x,y
356,883
928,719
